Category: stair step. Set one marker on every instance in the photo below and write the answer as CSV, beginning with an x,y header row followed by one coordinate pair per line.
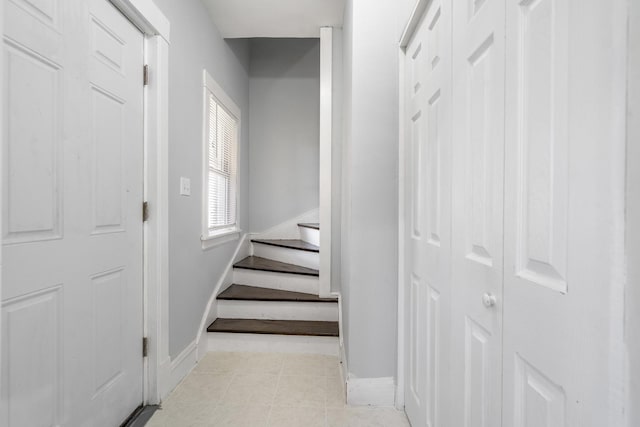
x,y
275,327
290,255
253,293
313,225
291,244
264,264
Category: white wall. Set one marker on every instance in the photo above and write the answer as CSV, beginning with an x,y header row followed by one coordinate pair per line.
x,y
284,81
370,187
196,45
633,214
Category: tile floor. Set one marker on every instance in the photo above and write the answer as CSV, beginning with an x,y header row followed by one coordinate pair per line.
x,y
267,390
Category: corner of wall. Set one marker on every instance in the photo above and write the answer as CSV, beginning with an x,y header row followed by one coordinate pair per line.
x,y
211,312
289,228
173,371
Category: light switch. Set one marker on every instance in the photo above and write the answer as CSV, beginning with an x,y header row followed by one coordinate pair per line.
x,y
185,186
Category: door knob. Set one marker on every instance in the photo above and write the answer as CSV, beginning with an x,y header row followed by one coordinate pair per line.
x,y
489,300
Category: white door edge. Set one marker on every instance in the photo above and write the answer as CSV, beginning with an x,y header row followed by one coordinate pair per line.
x,y
400,372
410,28
156,28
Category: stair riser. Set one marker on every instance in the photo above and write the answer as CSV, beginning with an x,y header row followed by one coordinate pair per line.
x,y
282,281
278,310
290,256
310,235
260,343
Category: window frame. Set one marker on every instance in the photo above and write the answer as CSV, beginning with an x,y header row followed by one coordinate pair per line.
x,y
220,236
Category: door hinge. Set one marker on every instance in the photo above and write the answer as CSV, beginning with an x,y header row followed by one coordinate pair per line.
x,y
145,211
145,347
145,75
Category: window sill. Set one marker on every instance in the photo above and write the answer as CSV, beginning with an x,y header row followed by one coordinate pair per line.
x,y
221,238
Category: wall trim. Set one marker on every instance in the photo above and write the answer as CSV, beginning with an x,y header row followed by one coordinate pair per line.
x,y
179,368
156,28
326,140
226,278
1,159
146,16
371,391
414,20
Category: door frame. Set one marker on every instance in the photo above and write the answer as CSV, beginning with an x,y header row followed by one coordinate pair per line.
x,y
150,20
409,30
632,291
155,27
1,161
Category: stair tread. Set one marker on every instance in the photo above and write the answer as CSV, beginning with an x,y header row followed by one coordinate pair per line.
x,y
289,243
254,293
313,225
264,264
275,327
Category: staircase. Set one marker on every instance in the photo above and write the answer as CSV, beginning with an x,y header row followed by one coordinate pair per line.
x,y
273,303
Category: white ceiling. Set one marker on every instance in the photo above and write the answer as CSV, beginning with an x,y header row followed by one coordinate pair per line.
x,y
274,18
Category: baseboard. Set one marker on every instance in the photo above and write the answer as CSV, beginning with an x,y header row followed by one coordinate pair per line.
x,y
289,228
344,366
201,345
371,391
178,369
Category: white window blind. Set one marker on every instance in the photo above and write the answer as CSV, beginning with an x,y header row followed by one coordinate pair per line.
x,y
222,136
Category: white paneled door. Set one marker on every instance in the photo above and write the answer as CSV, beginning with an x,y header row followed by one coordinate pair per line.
x,y
428,204
477,223
564,202
72,218
516,317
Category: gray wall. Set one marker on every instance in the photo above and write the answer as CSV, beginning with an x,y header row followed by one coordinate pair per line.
x,y
284,82
370,187
197,45
633,215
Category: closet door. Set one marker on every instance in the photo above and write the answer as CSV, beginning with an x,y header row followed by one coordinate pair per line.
x,y
564,207
477,245
428,204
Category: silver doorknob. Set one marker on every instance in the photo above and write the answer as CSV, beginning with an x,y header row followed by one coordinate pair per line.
x,y
489,300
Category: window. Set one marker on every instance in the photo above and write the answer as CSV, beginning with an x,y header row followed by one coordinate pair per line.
x,y
221,129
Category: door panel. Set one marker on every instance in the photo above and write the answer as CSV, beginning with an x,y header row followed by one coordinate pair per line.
x,y
560,215
537,216
428,166
72,228
477,248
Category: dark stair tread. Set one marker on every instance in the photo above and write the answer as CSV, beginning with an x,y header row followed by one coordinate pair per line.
x,y
275,327
254,293
289,243
313,225
264,264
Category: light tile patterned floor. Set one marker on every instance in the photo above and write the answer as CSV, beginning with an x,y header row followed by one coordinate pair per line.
x,y
267,390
